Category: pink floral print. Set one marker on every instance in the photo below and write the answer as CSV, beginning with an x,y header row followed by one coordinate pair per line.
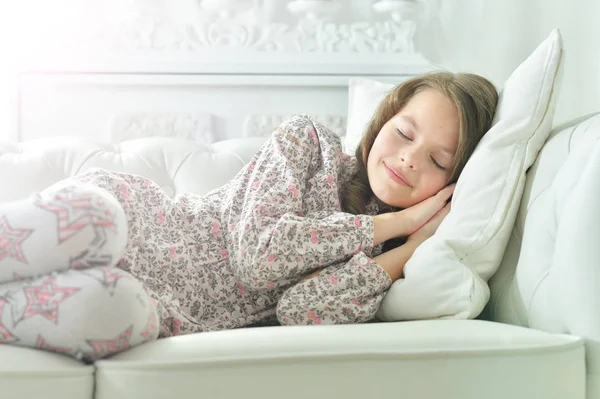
x,y
237,256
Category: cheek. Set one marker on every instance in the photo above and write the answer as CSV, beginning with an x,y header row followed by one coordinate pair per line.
x,y
376,153
384,145
432,184
372,158
388,139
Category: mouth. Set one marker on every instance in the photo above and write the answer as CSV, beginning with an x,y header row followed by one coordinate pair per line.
x,y
396,176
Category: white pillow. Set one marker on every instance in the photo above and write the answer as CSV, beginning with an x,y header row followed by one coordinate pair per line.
x,y
447,275
364,95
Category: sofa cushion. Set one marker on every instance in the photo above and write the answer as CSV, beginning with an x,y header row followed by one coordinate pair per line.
x,y
31,373
464,359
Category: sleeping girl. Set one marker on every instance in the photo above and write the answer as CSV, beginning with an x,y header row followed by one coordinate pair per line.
x,y
104,261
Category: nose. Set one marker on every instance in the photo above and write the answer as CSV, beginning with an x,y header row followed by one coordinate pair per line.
x,y
408,158
408,164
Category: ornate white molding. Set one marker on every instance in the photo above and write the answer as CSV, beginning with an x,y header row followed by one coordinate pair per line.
x,y
399,9
130,36
264,125
314,8
157,25
307,35
226,5
198,126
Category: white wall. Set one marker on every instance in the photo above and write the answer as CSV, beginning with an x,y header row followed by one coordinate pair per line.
x,y
493,37
483,36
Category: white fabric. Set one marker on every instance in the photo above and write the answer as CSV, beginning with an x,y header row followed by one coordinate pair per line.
x,y
177,165
447,275
364,95
549,276
422,359
48,246
30,373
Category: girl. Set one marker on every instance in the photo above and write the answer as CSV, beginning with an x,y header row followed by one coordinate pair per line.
x,y
104,261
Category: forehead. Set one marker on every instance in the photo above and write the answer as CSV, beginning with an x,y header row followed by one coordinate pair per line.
x,y
435,116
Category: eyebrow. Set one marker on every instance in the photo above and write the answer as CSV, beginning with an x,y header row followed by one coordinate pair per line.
x,y
412,122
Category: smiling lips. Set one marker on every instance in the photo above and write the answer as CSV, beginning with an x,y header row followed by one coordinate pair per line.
x,y
396,176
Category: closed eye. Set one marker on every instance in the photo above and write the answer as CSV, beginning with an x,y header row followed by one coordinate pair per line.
x,y
436,164
401,134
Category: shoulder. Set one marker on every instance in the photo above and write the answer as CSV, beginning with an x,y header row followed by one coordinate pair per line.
x,y
303,131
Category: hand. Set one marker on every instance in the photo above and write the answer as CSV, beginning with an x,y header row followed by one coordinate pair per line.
x,y
405,222
417,215
429,228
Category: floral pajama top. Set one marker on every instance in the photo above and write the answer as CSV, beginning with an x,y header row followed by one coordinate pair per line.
x,y
238,255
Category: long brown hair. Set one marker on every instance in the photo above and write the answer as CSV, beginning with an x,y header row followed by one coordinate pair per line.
x,y
476,99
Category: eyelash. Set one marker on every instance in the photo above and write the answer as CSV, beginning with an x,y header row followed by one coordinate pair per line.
x,y
435,163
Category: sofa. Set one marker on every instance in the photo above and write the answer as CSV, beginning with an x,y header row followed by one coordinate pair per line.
x,y
539,336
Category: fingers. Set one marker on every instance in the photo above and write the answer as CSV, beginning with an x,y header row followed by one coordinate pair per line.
x,y
441,215
429,228
441,198
437,202
445,210
417,215
446,192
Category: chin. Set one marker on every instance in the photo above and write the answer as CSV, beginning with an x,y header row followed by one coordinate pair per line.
x,y
392,199
390,193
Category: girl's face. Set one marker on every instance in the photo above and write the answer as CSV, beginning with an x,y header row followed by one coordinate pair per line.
x,y
413,154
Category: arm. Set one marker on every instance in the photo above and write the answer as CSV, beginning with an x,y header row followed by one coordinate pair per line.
x,y
407,221
350,293
393,261
273,241
346,293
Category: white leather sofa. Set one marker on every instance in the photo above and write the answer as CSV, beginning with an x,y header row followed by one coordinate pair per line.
x,y
542,341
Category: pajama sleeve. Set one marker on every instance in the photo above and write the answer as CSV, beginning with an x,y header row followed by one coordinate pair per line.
x,y
342,294
273,241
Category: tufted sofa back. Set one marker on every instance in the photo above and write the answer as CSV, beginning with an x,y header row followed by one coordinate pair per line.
x,y
549,278
549,237
177,165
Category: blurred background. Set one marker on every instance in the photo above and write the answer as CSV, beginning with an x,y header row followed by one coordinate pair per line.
x,y
482,36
